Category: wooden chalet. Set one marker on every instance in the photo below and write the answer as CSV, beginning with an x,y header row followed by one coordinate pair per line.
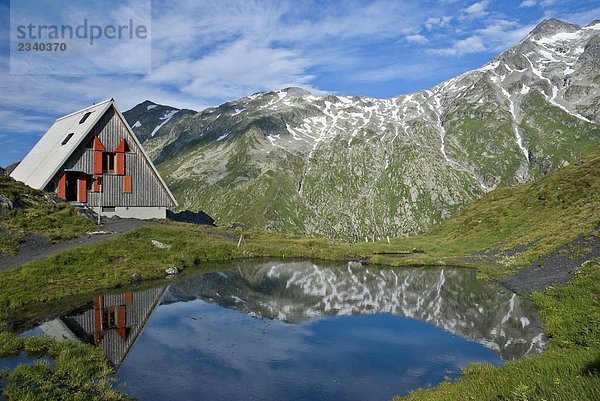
x,y
92,158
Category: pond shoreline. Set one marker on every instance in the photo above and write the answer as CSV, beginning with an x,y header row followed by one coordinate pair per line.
x,y
68,274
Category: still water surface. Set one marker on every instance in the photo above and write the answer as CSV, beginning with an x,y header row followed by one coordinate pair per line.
x,y
300,330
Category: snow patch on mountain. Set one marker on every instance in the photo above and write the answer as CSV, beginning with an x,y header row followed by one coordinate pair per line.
x,y
165,118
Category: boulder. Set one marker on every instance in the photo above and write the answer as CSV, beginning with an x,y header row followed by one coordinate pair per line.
x,y
171,271
160,245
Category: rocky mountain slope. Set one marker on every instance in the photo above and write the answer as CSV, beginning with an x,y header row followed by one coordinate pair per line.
x,y
149,119
359,167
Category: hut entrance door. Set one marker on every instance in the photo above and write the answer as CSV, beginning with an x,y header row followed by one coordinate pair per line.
x,y
72,186
76,187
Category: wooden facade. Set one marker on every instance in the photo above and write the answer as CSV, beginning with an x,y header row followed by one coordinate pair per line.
x,y
132,181
112,323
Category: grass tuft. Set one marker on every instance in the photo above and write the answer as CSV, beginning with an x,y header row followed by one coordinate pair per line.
x,y
78,371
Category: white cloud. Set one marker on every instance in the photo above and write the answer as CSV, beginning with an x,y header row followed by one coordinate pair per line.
x,y
532,3
528,3
235,70
18,123
438,22
473,44
405,71
501,34
477,10
417,38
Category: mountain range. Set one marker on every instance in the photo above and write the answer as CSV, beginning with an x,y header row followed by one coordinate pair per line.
x,y
361,168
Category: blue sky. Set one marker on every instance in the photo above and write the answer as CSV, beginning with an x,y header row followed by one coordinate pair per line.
x,y
206,52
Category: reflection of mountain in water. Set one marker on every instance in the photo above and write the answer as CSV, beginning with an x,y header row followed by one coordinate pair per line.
x,y
113,322
452,299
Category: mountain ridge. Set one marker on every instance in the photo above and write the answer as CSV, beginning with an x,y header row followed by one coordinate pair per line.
x,y
356,167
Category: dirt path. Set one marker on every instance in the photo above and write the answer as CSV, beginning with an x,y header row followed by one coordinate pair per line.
x,y
554,269
36,247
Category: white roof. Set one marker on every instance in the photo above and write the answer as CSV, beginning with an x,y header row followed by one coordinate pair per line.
x,y
50,154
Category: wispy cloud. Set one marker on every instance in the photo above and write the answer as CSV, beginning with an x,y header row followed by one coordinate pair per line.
x,y
532,3
417,38
472,44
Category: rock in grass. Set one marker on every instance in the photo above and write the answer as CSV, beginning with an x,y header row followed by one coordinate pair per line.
x,y
5,203
137,278
171,271
160,245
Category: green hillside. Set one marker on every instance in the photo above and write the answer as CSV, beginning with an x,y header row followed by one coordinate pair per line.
x,y
529,220
25,211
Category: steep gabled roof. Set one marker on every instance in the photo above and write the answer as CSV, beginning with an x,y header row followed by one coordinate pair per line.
x,y
49,154
60,141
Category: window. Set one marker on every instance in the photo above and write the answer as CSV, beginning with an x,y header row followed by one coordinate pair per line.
x,y
67,138
109,162
85,117
108,209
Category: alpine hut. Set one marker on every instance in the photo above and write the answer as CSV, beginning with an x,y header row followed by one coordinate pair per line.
x,y
92,158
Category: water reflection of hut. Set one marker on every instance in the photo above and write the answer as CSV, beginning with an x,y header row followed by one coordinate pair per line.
x,y
113,323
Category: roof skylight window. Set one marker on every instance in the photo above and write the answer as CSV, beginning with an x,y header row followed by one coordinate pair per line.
x,y
67,138
85,117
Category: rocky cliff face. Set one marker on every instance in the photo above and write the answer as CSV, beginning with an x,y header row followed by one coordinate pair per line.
x,y
359,167
149,119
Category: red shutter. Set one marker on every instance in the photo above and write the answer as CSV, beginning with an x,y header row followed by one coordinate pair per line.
x,y
98,321
122,322
122,147
128,296
98,145
62,186
82,188
97,162
120,164
98,149
127,184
